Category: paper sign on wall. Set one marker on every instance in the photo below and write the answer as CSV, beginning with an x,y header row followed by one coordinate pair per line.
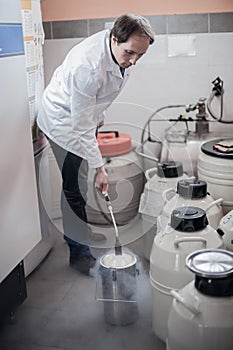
x,y
181,45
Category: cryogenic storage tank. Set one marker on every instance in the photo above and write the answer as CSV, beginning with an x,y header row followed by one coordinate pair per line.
x,y
215,166
125,176
164,176
225,229
201,314
189,231
190,192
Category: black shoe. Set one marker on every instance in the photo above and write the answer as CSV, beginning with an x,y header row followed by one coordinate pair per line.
x,y
83,264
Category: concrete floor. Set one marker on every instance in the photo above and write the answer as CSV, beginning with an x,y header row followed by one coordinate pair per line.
x,y
61,311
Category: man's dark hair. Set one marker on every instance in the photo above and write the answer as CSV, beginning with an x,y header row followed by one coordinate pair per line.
x,y
129,24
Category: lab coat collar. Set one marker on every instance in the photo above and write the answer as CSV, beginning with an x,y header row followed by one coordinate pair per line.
x,y
111,66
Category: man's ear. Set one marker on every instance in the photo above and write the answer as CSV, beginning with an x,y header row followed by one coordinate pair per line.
x,y
114,39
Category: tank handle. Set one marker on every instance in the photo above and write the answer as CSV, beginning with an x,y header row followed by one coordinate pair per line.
x,y
165,194
149,171
181,300
177,241
108,133
216,202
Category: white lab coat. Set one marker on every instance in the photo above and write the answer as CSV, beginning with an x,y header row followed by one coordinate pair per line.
x,y
80,90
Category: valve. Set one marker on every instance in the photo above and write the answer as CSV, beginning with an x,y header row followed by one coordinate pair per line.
x,y
201,109
218,86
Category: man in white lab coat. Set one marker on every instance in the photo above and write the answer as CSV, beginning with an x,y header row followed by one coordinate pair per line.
x,y
82,87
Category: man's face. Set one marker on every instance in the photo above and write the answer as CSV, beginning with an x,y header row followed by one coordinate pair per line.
x,y
128,53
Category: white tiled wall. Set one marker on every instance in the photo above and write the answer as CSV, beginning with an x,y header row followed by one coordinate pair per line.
x,y
158,80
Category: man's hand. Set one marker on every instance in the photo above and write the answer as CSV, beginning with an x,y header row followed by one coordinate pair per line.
x,y
101,181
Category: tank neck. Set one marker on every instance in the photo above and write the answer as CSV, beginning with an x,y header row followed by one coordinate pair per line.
x,y
170,169
192,189
215,287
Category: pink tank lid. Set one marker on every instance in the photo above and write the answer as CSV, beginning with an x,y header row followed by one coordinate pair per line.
x,y
113,143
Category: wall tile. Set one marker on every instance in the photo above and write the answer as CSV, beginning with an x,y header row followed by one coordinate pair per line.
x,y
47,30
221,22
182,24
173,24
217,53
158,23
96,25
69,29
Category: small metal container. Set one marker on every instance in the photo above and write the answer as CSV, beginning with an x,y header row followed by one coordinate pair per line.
x,y
119,288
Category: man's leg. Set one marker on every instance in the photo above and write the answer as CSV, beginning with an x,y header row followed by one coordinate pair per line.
x,y
74,172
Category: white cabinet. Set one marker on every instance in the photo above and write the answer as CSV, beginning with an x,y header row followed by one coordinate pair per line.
x,y
19,213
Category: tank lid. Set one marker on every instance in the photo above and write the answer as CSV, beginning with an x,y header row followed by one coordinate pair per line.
x,y
221,148
192,188
113,143
213,270
170,169
188,219
209,263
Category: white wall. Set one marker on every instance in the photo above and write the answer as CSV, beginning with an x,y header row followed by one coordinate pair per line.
x,y
158,80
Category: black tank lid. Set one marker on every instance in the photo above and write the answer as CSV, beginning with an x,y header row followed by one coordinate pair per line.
x,y
208,148
192,188
170,169
188,219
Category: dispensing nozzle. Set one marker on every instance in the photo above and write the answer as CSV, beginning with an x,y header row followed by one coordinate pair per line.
x,y
106,196
108,202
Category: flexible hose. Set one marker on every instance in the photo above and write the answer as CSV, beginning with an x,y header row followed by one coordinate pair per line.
x,y
211,112
153,114
142,153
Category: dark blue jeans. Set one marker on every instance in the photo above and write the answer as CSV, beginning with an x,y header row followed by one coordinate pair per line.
x,y
74,171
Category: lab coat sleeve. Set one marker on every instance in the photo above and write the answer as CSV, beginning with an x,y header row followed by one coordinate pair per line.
x,y
85,83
